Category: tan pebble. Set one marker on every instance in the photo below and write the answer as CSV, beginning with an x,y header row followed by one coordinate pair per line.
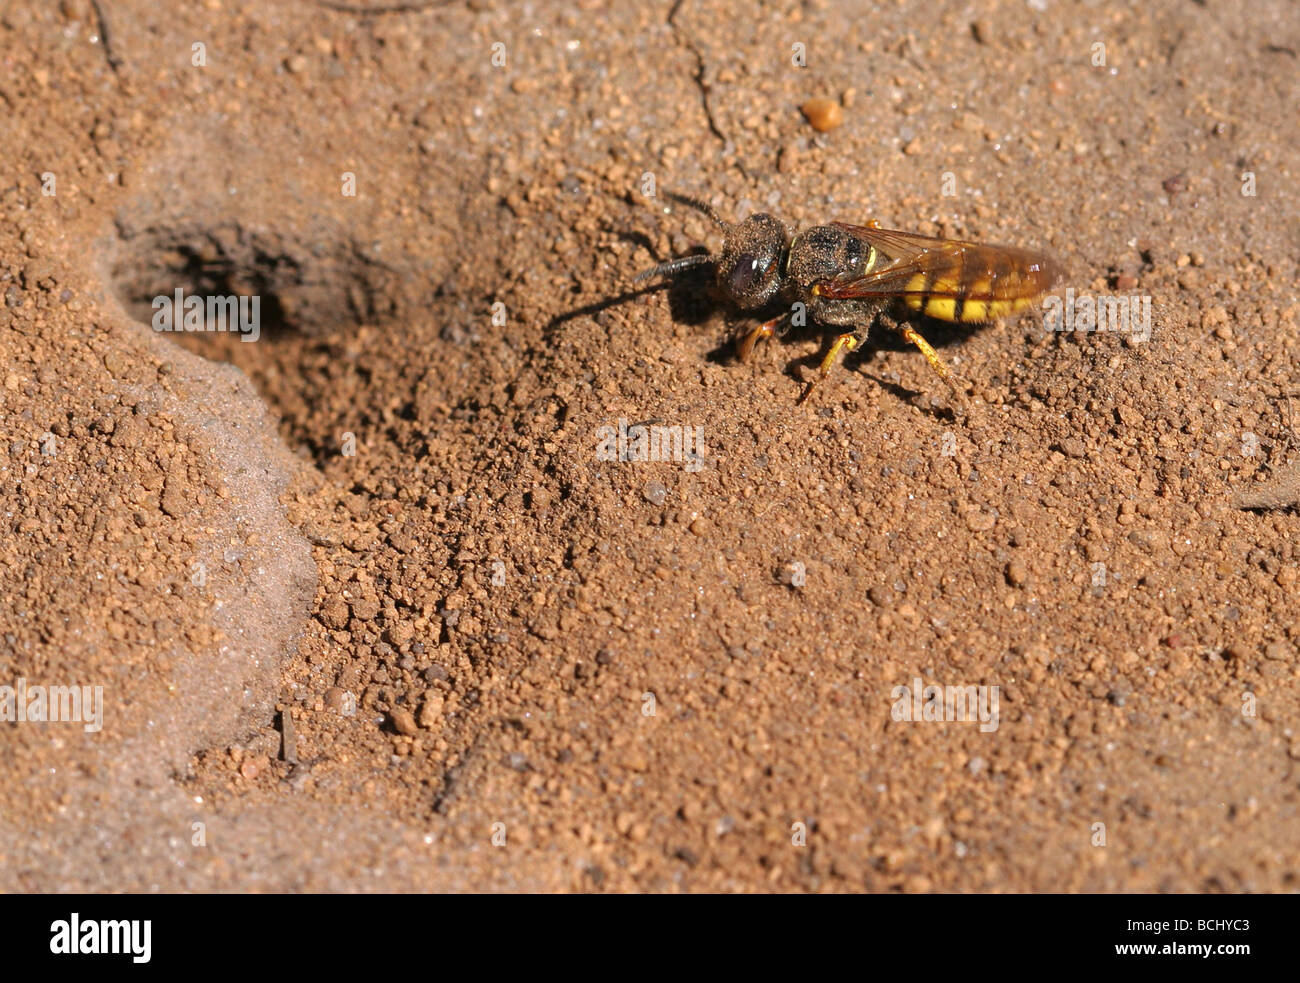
x,y
431,711
823,114
254,766
404,722
399,633
788,158
116,363
1213,317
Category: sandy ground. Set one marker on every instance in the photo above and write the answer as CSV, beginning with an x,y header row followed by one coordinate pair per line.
x,y
371,611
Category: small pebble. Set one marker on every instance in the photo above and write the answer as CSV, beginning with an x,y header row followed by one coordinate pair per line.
x,y
399,633
404,722
431,710
250,768
1074,447
1214,317
1017,573
1173,185
788,158
823,114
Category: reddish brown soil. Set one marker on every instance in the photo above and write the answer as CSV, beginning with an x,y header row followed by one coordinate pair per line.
x,y
431,664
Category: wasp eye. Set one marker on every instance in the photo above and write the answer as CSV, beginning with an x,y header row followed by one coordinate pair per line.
x,y
748,272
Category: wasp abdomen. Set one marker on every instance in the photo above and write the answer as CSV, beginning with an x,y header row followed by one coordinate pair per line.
x,y
975,284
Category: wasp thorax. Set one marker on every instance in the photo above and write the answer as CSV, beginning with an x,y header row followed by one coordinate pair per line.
x,y
749,270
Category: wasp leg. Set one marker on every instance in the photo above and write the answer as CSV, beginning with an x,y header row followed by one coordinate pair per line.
x,y
930,354
843,343
745,345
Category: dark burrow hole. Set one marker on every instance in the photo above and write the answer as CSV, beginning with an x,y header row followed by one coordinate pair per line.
x,y
311,298
201,273
304,286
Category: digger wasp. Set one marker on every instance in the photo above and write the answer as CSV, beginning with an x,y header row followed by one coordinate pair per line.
x,y
845,275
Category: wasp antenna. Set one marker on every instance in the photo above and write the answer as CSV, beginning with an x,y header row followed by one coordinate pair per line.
x,y
700,206
674,266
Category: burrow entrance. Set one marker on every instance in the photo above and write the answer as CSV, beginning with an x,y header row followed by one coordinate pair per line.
x,y
313,295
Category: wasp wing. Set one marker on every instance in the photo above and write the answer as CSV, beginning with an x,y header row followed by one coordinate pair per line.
x,y
946,278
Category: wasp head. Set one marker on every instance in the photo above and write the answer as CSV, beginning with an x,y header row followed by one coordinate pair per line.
x,y
749,268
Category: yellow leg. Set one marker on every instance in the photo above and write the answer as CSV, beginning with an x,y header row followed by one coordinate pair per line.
x,y
844,343
930,354
765,330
